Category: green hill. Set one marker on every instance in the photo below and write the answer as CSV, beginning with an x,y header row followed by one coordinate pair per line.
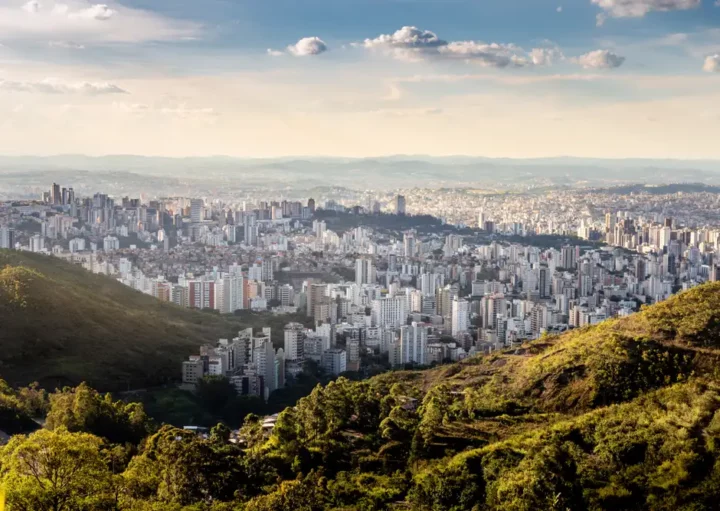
x,y
61,325
623,415
620,416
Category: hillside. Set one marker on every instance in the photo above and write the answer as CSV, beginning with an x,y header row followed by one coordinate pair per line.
x,y
623,415
62,325
620,416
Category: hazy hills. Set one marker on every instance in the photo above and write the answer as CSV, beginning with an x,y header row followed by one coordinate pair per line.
x,y
62,325
380,172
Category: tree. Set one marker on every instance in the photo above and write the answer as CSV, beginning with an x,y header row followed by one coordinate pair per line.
x,y
13,418
56,471
34,400
178,467
309,494
84,409
215,392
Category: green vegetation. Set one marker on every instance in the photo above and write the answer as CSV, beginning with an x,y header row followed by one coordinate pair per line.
x,y
620,416
62,325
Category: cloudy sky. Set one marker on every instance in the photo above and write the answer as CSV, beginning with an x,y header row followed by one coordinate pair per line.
x,y
498,78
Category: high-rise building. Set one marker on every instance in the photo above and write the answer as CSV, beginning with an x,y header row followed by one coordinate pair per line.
x,y
544,281
251,230
55,194
7,237
364,271
229,293
389,311
491,307
316,295
413,343
294,342
460,316
196,211
409,244
37,243
334,361
400,205
286,295
428,283
319,228
111,243
568,257
193,370
264,359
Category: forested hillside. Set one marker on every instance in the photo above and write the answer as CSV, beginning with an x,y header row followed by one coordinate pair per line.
x,y
62,325
620,416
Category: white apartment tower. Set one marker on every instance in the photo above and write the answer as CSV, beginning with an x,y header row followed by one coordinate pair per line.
x,y
364,271
460,316
413,343
294,342
389,311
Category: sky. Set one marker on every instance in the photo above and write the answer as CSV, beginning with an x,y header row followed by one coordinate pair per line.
x,y
271,78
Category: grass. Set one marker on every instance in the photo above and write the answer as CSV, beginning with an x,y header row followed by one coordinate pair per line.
x,y
62,325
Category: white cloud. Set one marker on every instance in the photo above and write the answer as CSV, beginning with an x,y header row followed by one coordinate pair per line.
x,y
413,44
85,22
100,12
274,53
600,59
545,56
308,46
69,45
32,6
490,55
406,37
55,86
712,63
559,8
639,8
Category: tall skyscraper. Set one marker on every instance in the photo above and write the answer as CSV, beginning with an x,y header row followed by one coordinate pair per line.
x,y
294,342
400,205
413,343
316,295
251,231
55,194
196,209
364,271
409,244
460,316
568,257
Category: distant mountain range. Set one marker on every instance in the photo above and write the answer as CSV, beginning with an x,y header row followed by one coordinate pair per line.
x,y
382,172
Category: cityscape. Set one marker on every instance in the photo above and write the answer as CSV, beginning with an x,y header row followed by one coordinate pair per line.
x,y
359,255
474,273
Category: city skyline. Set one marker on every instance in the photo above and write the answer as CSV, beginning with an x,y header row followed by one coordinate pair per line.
x,y
595,78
